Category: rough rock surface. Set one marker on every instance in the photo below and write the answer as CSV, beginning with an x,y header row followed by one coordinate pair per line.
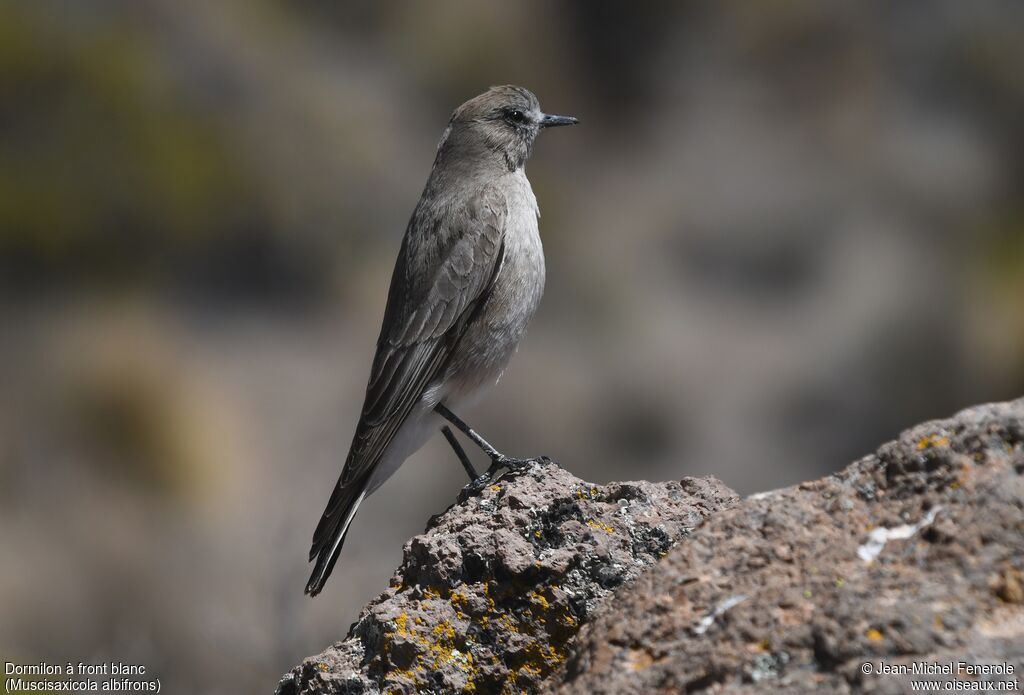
x,y
489,598
913,554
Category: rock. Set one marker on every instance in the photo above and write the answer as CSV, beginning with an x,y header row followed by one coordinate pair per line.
x,y
490,596
913,554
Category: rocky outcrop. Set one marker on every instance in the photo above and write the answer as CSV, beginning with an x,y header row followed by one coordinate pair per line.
x,y
913,554
489,598
544,582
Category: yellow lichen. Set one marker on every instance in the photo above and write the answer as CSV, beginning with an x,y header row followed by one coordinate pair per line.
x,y
530,670
555,655
582,492
598,525
444,630
508,623
439,648
440,653
932,441
459,599
538,663
873,635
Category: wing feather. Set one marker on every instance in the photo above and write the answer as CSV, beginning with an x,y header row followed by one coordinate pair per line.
x,y
427,311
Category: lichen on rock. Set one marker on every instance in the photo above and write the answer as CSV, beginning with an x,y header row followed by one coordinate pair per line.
x,y
912,554
489,598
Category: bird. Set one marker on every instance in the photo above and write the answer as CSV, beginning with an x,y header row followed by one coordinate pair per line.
x,y
468,278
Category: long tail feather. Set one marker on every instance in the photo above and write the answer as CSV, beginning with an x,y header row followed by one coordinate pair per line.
x,y
330,533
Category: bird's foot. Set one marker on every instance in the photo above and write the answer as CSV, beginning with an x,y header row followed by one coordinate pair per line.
x,y
477,486
509,464
516,465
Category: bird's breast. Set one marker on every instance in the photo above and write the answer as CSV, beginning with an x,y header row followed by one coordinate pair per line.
x,y
520,282
492,338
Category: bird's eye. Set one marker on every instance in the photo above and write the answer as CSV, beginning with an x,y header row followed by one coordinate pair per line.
x,y
516,116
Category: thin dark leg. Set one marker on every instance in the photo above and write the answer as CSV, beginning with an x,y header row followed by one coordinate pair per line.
x,y
460,452
498,459
451,417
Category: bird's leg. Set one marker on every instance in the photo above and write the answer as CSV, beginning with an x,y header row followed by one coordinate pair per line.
x,y
484,445
460,453
498,459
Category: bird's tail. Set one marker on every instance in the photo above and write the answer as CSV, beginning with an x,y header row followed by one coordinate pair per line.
x,y
330,532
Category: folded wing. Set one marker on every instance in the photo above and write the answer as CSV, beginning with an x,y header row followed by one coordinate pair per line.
x,y
445,271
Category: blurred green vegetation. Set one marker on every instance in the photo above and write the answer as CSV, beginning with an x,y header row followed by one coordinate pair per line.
x,y
105,166
140,428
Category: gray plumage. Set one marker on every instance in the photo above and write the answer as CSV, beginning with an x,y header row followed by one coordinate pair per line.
x,y
469,276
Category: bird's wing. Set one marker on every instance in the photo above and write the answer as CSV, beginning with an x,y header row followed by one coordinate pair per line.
x,y
440,279
425,319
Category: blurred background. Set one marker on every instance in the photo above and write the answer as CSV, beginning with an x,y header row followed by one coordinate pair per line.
x,y
783,232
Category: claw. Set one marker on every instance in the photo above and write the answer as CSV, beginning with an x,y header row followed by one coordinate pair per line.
x,y
479,483
495,473
514,464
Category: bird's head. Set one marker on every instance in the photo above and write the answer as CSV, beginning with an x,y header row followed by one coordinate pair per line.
x,y
503,120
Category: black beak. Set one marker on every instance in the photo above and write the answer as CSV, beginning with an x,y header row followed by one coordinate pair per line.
x,y
549,121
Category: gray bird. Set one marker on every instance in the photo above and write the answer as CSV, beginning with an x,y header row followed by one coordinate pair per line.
x,y
469,276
